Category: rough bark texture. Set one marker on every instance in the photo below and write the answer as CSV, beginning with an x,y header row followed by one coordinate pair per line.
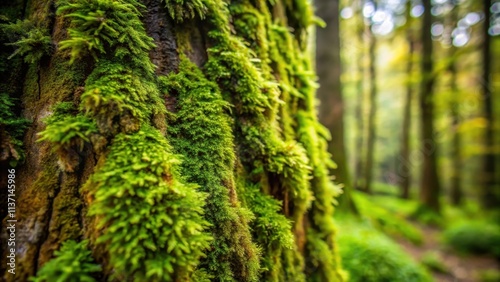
x,y
243,131
429,182
331,108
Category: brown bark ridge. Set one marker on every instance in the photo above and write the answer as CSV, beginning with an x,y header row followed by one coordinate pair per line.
x,y
429,182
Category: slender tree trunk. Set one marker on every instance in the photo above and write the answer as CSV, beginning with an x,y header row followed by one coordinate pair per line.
x,y
359,110
429,183
404,168
491,189
456,193
370,153
331,108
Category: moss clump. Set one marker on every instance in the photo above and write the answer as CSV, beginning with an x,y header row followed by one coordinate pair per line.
x,y
111,28
200,131
181,10
31,42
12,130
68,132
119,98
151,221
72,263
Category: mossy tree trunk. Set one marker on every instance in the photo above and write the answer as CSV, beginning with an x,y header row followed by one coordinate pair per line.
x,y
331,108
179,138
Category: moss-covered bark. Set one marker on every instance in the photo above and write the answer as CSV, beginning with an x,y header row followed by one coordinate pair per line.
x,y
181,140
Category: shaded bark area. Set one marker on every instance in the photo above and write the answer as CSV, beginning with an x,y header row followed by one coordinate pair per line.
x,y
331,108
359,109
429,181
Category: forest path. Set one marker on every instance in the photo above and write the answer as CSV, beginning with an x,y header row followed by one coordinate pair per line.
x,y
459,268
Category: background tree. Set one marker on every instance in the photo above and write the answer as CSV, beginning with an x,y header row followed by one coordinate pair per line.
x,y
331,108
429,181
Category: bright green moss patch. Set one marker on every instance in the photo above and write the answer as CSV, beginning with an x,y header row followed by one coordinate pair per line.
x,y
68,132
200,131
119,98
100,26
181,10
151,220
72,263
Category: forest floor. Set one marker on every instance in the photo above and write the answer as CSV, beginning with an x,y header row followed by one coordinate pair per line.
x,y
457,268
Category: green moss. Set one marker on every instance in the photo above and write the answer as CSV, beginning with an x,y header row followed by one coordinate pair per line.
x,y
181,10
68,132
119,98
107,28
31,41
201,132
12,128
72,263
151,220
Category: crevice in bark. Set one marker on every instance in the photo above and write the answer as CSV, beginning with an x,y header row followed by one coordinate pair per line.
x,y
46,231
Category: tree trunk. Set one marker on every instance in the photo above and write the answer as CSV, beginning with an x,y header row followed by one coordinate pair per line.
x,y
429,182
370,153
159,138
359,176
491,189
456,194
331,108
404,168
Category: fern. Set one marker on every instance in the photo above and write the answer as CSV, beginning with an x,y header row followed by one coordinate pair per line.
x,y
31,42
12,130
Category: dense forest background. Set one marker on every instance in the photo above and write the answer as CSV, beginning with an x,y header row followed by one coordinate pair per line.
x,y
249,140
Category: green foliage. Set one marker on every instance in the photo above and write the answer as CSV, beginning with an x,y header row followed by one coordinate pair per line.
x,y
385,220
72,263
181,10
476,237
433,261
151,221
120,97
369,256
30,41
492,275
200,131
12,130
100,27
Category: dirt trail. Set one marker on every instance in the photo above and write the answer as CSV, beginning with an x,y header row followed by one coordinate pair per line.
x,y
460,268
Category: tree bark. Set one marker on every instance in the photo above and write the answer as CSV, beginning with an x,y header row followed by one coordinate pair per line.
x,y
429,182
